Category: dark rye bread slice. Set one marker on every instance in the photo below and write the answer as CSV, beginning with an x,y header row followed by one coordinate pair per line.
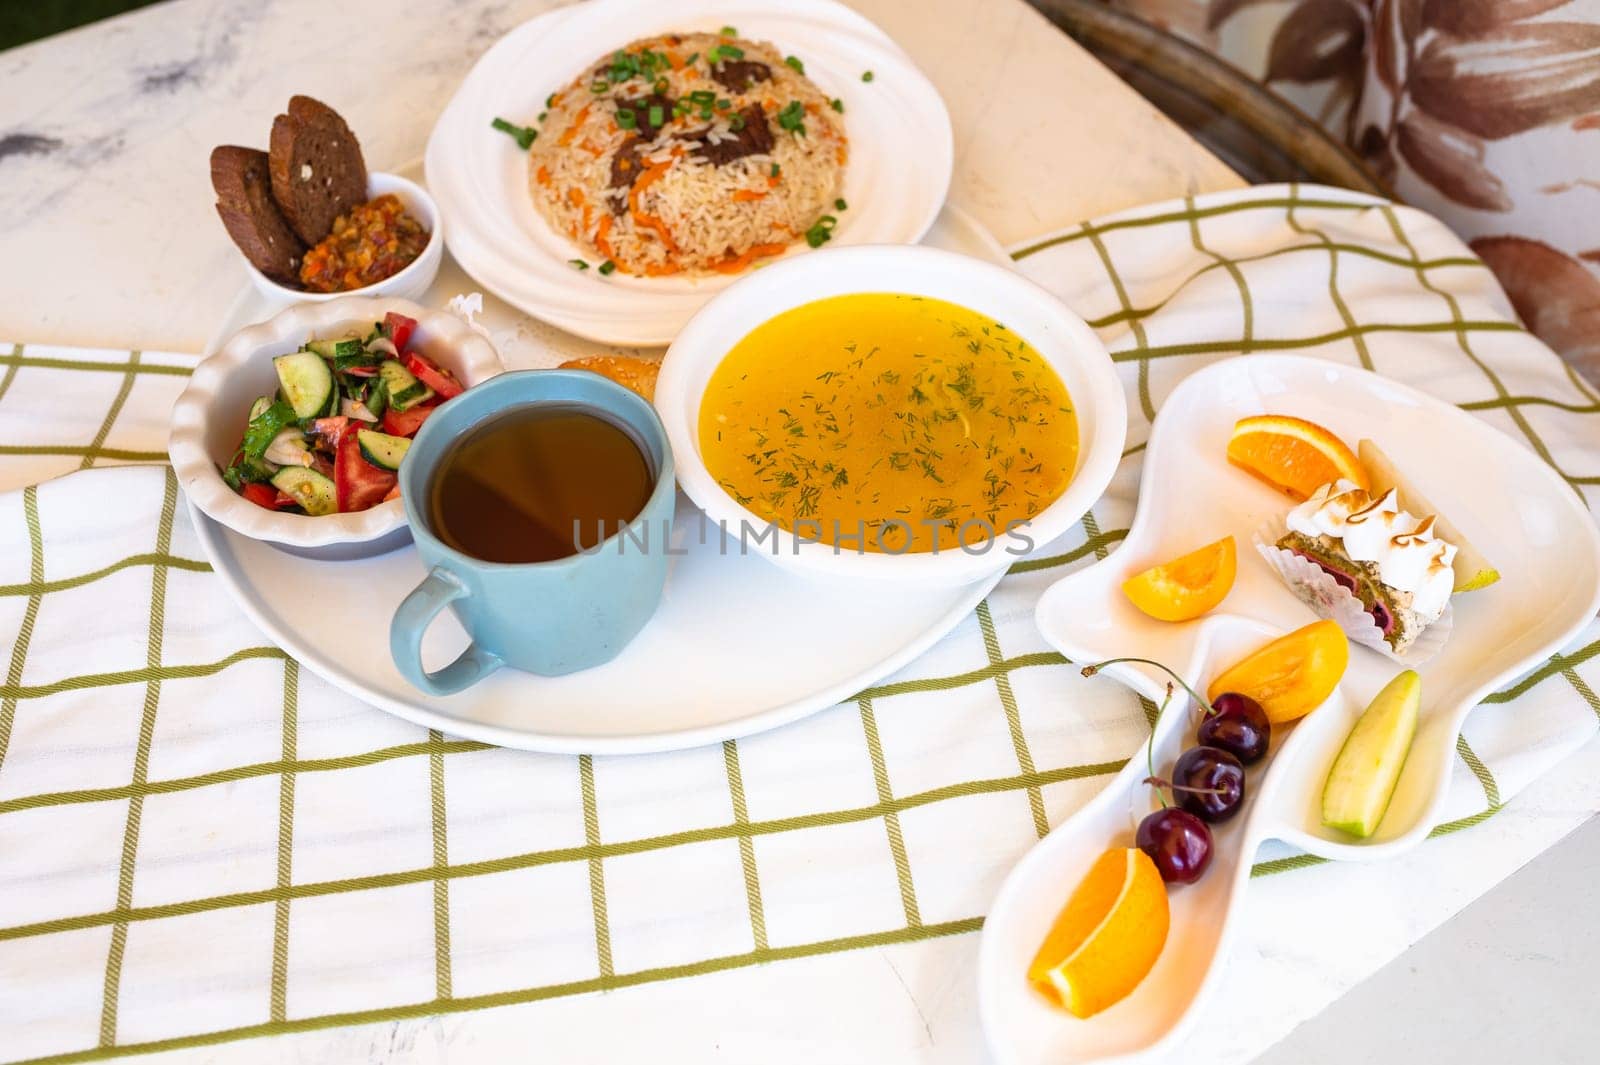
x,y
317,170
244,200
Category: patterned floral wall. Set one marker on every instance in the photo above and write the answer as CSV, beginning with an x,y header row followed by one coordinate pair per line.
x,y
1485,112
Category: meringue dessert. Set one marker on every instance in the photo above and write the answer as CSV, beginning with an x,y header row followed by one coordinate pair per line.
x,y
1399,566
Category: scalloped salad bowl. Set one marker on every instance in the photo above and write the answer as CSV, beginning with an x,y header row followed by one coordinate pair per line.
x,y
210,417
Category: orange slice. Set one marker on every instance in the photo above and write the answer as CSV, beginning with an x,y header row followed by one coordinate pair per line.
x,y
1292,675
1292,455
1108,937
1186,587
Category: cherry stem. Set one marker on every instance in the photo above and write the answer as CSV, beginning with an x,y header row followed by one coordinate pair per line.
x,y
1150,744
1157,782
1205,707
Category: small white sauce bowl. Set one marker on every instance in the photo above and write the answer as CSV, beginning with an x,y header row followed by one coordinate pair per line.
x,y
209,419
1070,347
408,284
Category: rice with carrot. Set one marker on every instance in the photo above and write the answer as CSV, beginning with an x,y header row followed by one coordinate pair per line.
x,y
689,153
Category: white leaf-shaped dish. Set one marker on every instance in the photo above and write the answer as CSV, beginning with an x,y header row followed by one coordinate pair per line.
x,y
1515,508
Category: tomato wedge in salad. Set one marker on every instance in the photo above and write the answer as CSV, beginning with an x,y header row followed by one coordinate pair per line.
x,y
331,438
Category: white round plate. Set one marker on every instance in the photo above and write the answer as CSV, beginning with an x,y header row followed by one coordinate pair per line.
x,y
901,152
1516,510
739,645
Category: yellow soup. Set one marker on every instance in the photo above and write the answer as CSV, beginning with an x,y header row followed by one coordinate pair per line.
x,y
888,422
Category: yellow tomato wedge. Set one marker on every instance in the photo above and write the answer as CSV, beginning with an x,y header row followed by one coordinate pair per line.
x,y
1186,587
1292,675
1108,937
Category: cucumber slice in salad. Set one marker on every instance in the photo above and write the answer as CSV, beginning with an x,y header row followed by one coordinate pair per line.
x,y
315,493
259,407
404,390
381,449
307,383
335,349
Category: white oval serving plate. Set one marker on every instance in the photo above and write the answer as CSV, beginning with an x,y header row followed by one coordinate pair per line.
x,y
1515,509
716,662
901,153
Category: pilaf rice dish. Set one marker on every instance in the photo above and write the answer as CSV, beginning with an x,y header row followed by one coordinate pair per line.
x,y
689,153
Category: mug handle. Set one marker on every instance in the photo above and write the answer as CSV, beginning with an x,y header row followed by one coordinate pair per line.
x,y
438,590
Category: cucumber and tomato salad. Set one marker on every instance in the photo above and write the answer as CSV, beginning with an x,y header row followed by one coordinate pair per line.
x,y
330,439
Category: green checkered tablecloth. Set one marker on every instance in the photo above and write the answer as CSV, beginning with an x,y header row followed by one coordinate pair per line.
x,y
200,841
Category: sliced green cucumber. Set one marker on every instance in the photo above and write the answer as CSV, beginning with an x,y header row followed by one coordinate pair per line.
x,y
315,493
1367,769
404,390
377,398
381,449
307,383
335,349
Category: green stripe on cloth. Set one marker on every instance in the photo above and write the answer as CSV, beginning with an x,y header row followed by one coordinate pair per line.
x,y
1324,245
597,873
1333,278
90,454
718,964
1095,545
278,1004
135,676
1140,341
141,764
95,445
891,816
747,848
30,616
290,767
1219,347
17,359
1491,789
592,852
1555,664
1091,229
1461,328
1008,703
441,860
12,366
148,558
1230,266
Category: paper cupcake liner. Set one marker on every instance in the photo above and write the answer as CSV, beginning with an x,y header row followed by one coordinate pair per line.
x,y
1329,599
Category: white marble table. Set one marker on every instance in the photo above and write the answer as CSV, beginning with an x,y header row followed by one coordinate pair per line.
x,y
107,237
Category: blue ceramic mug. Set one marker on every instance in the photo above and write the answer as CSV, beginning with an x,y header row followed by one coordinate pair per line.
x,y
543,617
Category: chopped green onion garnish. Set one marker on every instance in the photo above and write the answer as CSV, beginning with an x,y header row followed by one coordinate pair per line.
x,y
702,96
607,267
706,114
692,57
792,117
840,205
723,105
627,119
792,61
524,135
837,104
775,169
736,123
579,264
543,115
661,86
729,31
822,232
866,75
658,117
549,101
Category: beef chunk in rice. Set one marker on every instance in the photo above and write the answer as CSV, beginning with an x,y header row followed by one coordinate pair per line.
x,y
753,137
739,74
